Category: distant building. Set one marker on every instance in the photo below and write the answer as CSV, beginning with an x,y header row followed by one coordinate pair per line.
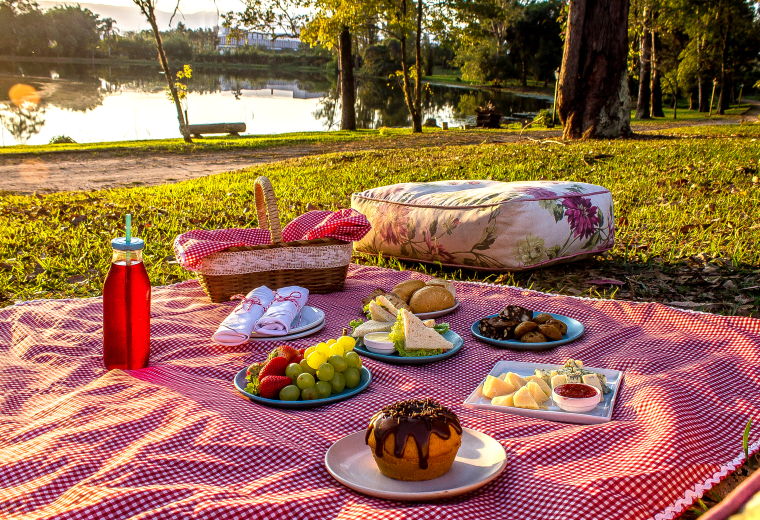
x,y
230,39
273,88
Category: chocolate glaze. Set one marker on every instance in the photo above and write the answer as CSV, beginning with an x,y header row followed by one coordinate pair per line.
x,y
416,417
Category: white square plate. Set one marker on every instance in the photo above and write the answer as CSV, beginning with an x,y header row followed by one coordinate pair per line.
x,y
601,414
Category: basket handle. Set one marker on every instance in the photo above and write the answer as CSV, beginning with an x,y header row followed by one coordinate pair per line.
x,y
266,208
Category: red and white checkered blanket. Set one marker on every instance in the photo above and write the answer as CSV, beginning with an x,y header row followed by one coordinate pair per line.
x,y
175,440
346,224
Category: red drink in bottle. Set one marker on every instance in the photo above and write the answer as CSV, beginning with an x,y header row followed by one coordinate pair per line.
x,y
126,308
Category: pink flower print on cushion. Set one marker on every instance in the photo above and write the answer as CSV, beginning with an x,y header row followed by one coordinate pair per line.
x,y
392,223
437,251
581,215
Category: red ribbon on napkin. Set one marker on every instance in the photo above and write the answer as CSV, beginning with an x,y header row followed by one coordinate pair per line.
x,y
347,225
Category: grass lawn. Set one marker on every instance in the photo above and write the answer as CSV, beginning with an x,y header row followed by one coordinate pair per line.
x,y
687,213
454,77
683,114
209,143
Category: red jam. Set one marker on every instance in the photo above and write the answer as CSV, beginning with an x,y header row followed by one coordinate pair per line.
x,y
575,391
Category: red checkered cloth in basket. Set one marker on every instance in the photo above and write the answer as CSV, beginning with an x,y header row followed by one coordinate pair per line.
x,y
346,224
175,440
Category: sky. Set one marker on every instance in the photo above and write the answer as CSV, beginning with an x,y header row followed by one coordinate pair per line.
x,y
186,6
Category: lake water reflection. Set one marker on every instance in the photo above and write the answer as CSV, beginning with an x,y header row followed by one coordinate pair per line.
x,y
102,103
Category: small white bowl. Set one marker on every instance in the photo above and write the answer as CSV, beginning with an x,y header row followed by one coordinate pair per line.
x,y
577,404
379,343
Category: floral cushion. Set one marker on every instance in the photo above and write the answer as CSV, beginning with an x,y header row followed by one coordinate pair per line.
x,y
491,225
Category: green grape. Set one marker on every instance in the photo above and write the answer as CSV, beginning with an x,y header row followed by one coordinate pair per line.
x,y
309,394
352,376
324,389
305,381
290,393
293,371
325,372
338,363
317,358
352,359
306,368
338,383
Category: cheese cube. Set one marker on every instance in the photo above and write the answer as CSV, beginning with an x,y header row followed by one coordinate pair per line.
x,y
541,383
558,380
524,399
517,381
504,400
537,393
494,387
593,380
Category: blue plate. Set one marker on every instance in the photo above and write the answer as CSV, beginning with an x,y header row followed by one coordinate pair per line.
x,y
574,331
241,382
395,359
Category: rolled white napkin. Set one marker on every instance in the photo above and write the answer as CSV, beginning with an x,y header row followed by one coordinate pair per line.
x,y
239,325
287,303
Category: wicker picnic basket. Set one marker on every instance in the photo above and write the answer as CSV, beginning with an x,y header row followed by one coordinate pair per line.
x,y
319,265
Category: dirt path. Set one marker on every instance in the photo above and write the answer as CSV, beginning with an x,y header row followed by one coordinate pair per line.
x,y
76,171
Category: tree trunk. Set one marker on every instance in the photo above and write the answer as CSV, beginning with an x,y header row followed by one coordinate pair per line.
x,y
645,71
725,94
704,94
692,101
413,93
656,84
417,127
702,83
723,99
524,74
151,16
593,87
347,83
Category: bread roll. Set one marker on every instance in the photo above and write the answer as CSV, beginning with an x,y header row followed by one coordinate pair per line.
x,y
430,299
440,282
405,289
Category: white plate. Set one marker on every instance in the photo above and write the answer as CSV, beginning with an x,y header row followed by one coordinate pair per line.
x,y
438,314
601,414
311,318
480,459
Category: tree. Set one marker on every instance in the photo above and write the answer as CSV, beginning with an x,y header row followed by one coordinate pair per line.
x,y
334,23
645,70
593,87
148,9
75,30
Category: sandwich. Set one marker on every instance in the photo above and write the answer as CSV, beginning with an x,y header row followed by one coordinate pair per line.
x,y
368,327
412,338
380,309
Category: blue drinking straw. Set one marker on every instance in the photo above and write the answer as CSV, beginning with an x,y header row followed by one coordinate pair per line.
x,y
129,228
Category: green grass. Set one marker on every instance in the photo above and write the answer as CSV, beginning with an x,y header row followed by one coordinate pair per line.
x,y
684,114
454,77
211,143
686,208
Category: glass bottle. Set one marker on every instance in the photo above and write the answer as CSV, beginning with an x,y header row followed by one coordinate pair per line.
x,y
126,307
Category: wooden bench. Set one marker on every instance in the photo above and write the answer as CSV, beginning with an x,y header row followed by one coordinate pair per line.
x,y
216,128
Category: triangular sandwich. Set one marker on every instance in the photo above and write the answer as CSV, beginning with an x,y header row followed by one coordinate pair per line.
x,y
380,309
372,326
419,337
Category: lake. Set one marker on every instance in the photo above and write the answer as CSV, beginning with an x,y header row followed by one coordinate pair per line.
x,y
107,103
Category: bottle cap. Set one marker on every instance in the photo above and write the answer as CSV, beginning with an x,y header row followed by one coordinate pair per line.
x,y
120,244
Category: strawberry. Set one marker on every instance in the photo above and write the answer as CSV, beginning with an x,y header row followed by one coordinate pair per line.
x,y
270,386
297,359
252,374
274,367
285,351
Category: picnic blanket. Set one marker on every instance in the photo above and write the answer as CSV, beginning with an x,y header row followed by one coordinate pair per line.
x,y
175,440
